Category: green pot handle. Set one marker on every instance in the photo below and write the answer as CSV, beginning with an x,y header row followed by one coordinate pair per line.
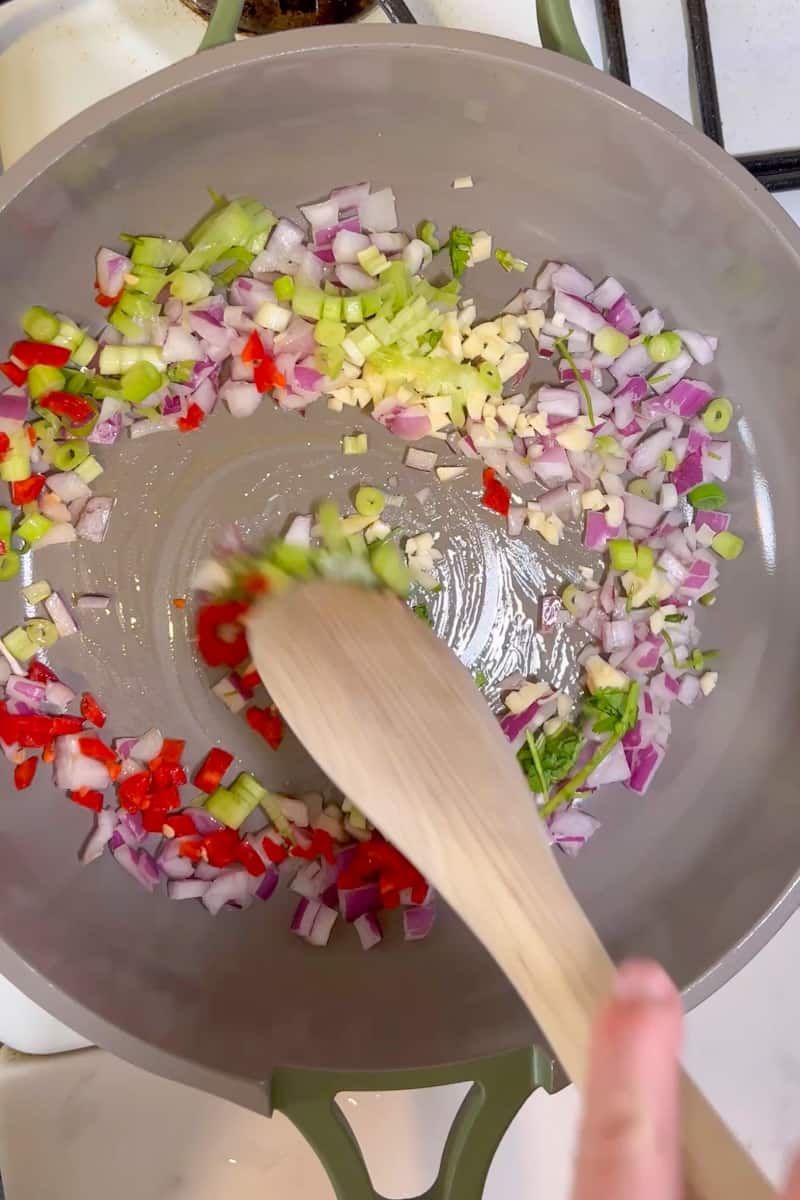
x,y
557,29
500,1086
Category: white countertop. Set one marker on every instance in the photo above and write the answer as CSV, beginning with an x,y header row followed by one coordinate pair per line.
x,y
103,1127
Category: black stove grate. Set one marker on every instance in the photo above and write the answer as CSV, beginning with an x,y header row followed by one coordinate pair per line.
x,y
777,170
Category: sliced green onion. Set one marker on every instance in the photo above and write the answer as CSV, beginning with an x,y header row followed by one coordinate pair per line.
x,y
717,415
283,288
66,456
671,646
568,598
622,553
610,341
727,545
18,644
640,487
508,262
116,360
606,445
43,379
191,286
39,324
426,232
354,443
329,333
32,527
138,307
307,301
42,632
294,560
707,495
668,460
229,807
709,599
663,347
352,310
149,281
387,563
645,561
332,308
157,252
372,261
69,335
700,658
36,592
9,565
330,525
139,382
5,525
89,469
369,502
86,351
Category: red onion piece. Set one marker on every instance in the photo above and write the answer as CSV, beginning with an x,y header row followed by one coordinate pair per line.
x,y
378,212
369,931
418,922
571,829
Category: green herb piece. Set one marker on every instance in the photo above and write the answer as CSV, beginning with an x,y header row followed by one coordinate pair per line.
x,y
508,262
480,678
622,553
561,346
459,246
671,647
426,232
707,495
607,704
421,611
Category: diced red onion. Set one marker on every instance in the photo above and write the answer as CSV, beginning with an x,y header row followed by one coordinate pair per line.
x,y
353,278
13,406
717,461
597,531
571,829
624,316
378,212
553,467
93,523
648,453
617,635
716,521
241,399
111,267
639,511
187,889
579,312
565,278
698,346
651,323
98,839
368,929
689,473
557,402
644,764
666,375
420,460
689,690
60,614
607,294
418,922
230,887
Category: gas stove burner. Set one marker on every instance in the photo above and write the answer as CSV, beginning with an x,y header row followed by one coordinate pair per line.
x,y
271,16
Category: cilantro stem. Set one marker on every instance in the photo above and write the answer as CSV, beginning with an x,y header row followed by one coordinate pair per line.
x,y
573,785
671,646
562,347
537,762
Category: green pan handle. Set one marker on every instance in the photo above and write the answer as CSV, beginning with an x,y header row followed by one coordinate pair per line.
x,y
500,1086
557,29
222,24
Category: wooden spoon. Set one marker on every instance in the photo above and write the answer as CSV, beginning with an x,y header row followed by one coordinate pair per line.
x,y
398,724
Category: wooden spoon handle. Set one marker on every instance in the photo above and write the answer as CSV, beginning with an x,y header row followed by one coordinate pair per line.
x,y
716,1166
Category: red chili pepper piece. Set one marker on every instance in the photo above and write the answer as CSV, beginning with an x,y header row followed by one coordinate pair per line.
x,y
48,753
25,491
266,375
92,747
251,859
64,404
167,774
166,800
419,893
208,775
91,710
88,798
253,350
221,638
274,851
172,750
496,495
193,420
35,354
179,825
34,729
24,773
250,680
61,726
267,722
222,847
5,443
192,850
153,820
103,300
40,673
134,791
390,899
16,374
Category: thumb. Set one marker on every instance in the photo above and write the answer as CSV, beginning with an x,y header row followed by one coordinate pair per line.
x,y
629,1142
793,1187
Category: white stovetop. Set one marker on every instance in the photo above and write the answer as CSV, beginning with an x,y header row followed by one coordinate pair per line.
x,y
110,1128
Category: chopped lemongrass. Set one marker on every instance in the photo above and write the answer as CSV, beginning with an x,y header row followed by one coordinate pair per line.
x,y
727,545
372,261
19,644
354,443
463,181
448,474
39,324
708,496
283,288
36,592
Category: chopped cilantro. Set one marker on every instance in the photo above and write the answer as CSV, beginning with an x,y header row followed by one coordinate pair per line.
x,y
480,679
508,262
421,611
606,708
556,755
